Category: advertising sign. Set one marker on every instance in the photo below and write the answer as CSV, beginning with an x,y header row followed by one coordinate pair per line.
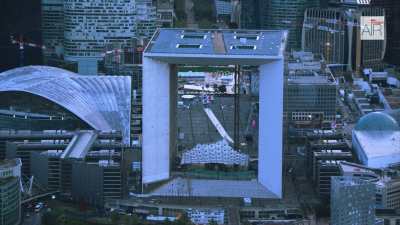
x,y
372,27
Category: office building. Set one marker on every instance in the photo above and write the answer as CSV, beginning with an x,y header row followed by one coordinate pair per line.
x,y
327,154
96,182
325,171
52,29
276,14
333,33
46,166
165,12
310,91
146,18
212,47
352,201
10,192
387,183
287,15
89,25
128,62
250,14
96,169
376,139
392,11
310,99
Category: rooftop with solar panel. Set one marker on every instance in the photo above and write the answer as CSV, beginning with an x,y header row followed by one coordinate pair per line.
x,y
249,43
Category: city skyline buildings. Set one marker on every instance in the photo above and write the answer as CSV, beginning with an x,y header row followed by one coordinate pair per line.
x,y
333,32
277,14
392,8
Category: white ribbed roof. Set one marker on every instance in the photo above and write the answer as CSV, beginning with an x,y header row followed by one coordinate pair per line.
x,y
104,102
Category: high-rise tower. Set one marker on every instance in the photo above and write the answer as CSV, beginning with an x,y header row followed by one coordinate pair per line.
x,y
91,24
287,15
392,8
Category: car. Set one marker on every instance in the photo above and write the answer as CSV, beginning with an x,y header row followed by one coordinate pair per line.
x,y
39,206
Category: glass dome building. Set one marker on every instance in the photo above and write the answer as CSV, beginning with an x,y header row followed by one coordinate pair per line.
x,y
376,139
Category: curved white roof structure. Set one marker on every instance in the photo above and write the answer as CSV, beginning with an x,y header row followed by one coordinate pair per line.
x,y
103,102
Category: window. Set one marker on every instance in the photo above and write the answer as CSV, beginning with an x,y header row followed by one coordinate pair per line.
x,y
249,37
189,46
244,47
193,36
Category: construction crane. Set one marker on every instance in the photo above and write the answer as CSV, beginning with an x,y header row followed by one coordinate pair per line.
x,y
22,44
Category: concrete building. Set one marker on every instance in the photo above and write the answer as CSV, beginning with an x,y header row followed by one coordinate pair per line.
x,y
213,47
334,33
10,192
375,139
352,201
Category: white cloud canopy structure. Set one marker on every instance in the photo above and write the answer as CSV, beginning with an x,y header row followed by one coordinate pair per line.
x,y
219,152
103,102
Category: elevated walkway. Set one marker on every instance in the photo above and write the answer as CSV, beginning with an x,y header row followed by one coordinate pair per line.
x,y
79,145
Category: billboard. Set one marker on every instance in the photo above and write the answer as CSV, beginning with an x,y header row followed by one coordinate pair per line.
x,y
372,27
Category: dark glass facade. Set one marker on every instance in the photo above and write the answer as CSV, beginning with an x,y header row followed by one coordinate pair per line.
x,y
277,15
392,9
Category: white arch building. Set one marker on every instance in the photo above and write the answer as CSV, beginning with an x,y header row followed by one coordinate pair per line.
x,y
170,47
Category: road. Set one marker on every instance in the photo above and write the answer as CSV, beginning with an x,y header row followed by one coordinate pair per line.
x,y
33,219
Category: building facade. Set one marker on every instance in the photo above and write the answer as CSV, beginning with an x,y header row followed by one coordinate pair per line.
x,y
89,25
52,28
287,15
334,33
352,201
276,14
96,182
146,18
392,9
310,99
10,192
165,12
